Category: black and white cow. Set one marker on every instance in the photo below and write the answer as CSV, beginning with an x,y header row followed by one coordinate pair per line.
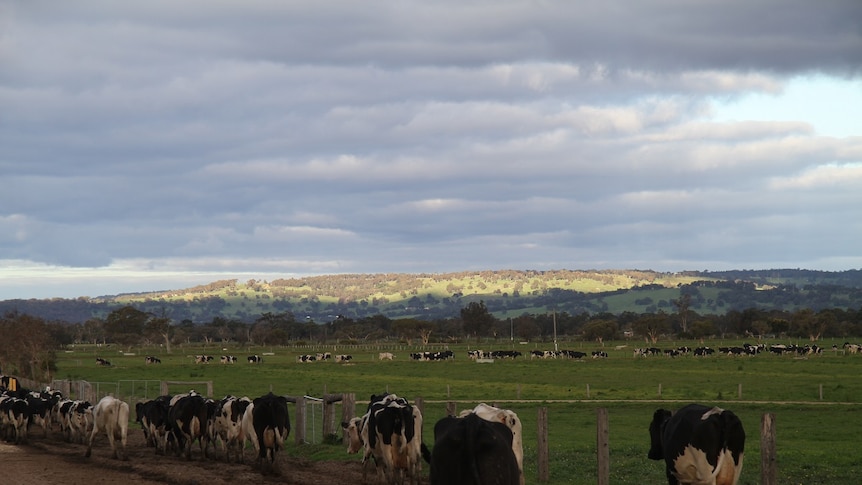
x,y
343,358
700,445
394,437
14,418
80,421
151,359
255,359
470,450
226,425
266,424
203,359
110,417
306,358
102,361
187,421
228,359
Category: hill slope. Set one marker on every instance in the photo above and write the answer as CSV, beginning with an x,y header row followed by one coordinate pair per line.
x,y
506,293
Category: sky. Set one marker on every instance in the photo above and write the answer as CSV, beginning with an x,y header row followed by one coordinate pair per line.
x,y
159,145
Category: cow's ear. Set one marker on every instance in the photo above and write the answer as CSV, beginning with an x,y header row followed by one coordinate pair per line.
x,y
345,424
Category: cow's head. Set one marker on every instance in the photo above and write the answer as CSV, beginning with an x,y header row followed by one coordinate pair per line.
x,y
353,431
656,452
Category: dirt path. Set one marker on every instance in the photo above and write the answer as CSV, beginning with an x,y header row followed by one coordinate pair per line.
x,y
53,461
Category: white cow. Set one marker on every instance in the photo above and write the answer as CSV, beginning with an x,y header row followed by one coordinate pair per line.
x,y
111,416
511,420
385,356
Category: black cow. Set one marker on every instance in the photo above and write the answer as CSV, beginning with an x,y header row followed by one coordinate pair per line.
x,y
473,451
153,417
187,421
699,445
267,424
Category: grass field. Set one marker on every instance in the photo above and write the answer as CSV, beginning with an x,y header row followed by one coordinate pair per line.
x,y
817,438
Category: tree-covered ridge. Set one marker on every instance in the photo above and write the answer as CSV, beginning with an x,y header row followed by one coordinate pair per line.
x,y
507,293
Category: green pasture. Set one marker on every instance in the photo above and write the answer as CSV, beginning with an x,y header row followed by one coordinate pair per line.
x,y
817,437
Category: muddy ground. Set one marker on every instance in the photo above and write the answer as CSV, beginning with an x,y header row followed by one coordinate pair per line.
x,y
50,460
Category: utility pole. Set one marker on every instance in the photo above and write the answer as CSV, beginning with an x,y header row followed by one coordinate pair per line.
x,y
556,349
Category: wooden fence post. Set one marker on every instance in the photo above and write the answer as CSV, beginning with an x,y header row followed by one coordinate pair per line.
x,y
299,435
450,408
603,447
419,404
329,426
768,459
542,445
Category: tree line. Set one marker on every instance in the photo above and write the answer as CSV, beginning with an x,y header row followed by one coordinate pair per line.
x,y
29,344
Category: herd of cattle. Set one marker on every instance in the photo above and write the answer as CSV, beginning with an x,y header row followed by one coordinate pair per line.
x,y
699,444
744,349
483,442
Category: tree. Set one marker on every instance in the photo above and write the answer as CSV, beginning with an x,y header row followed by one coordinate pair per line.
x,y
477,319
126,325
682,304
600,330
160,327
26,348
651,326
526,327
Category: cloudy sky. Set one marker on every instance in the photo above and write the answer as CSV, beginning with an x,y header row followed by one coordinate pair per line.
x,y
162,144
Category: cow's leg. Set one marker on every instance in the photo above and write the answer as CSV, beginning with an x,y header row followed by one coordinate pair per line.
x,y
112,444
90,442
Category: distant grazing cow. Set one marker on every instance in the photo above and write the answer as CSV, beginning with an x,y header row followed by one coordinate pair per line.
x,y
266,424
511,421
599,354
306,358
228,359
102,361
700,445
386,356
343,358
255,359
153,360
111,417
203,359
324,356
470,451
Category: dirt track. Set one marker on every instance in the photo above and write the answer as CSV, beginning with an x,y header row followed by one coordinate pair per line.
x,y
53,461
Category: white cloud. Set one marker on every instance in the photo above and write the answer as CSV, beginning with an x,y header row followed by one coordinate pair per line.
x,y
166,140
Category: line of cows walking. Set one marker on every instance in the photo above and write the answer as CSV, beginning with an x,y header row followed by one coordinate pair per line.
x,y
484,442
483,445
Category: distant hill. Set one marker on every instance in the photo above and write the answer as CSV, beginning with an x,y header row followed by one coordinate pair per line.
x,y
506,293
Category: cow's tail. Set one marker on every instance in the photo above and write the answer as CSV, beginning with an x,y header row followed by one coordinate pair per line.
x,y
426,453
